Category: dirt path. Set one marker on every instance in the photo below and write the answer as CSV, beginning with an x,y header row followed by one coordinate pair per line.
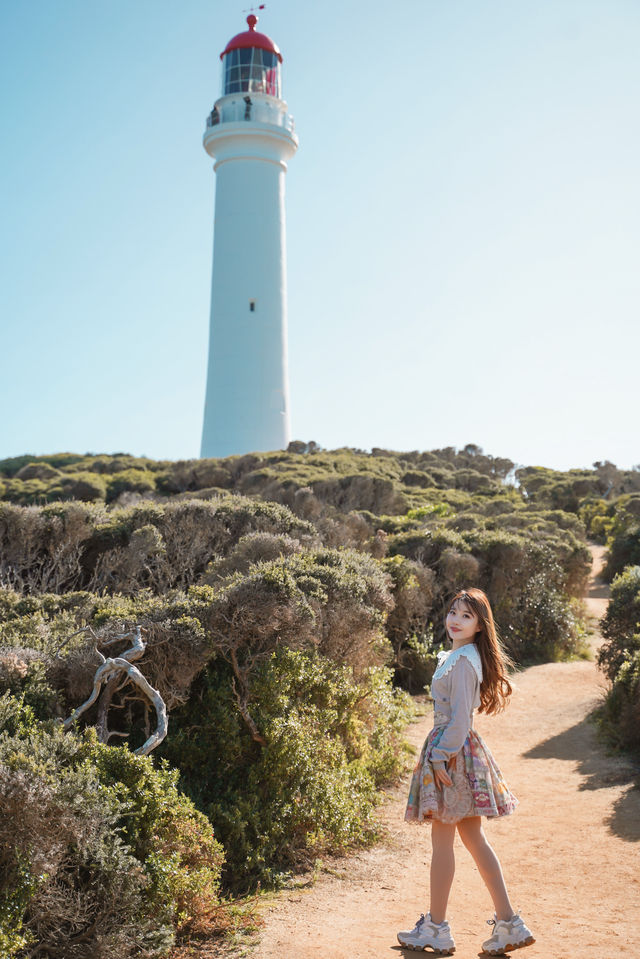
x,y
570,853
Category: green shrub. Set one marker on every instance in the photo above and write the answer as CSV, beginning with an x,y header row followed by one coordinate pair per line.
x,y
417,478
529,583
68,881
84,486
333,600
327,604
619,714
596,516
166,833
100,855
623,551
473,481
621,623
38,483
619,658
130,481
414,591
118,463
194,475
27,679
557,490
546,625
25,492
426,546
10,466
527,586
329,741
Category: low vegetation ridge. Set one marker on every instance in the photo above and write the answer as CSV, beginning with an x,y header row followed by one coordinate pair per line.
x,y
290,602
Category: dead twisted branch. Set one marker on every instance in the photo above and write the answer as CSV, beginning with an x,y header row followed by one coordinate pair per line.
x,y
113,674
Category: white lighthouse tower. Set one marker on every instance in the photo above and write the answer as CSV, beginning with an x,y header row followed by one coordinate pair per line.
x,y
250,136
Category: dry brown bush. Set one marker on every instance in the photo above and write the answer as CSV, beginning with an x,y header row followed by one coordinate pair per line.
x,y
175,548
41,547
41,471
415,593
249,550
124,569
458,570
335,527
305,503
361,492
344,529
175,653
72,674
355,492
47,832
378,545
28,808
188,475
66,546
14,665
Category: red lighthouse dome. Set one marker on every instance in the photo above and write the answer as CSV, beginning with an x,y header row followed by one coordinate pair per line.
x,y
251,38
251,63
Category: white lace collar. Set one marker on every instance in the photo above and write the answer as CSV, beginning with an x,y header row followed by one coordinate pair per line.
x,y
448,658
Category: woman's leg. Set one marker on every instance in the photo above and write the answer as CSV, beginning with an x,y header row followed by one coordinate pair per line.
x,y
472,835
443,867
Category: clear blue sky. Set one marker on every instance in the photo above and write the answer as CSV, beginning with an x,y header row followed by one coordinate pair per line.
x,y
463,224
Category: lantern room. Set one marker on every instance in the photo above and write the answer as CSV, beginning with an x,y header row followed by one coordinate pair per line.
x,y
251,63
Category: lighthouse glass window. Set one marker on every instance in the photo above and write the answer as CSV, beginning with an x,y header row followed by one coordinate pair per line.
x,y
251,70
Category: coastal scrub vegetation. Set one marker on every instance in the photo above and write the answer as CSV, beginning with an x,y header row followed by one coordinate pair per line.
x,y
290,602
619,658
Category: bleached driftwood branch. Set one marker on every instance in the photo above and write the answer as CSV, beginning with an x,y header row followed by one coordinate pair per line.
x,y
114,672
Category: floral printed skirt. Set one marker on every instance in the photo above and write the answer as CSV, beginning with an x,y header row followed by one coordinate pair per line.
x,y
478,787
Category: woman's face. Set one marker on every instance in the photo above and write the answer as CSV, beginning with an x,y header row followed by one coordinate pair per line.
x,y
461,622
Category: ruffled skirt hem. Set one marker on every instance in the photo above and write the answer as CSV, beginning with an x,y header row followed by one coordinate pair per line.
x,y
478,787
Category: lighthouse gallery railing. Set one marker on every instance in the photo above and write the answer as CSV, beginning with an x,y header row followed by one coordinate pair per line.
x,y
246,108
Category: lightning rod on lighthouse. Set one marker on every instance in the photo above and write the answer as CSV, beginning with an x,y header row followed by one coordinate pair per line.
x,y
250,135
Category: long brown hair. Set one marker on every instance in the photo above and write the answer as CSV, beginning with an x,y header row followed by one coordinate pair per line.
x,y
495,688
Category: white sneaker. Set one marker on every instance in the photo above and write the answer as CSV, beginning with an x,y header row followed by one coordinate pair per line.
x,y
508,934
427,933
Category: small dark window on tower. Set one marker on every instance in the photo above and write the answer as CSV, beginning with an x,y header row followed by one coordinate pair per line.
x,y
252,306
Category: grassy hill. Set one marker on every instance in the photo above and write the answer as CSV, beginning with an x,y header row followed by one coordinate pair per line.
x,y
289,601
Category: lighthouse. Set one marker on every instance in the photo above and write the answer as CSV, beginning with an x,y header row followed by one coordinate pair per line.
x,y
250,136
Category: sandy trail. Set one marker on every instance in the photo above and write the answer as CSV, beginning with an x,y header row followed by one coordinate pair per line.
x,y
570,853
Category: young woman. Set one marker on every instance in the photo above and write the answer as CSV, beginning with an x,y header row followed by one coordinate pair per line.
x,y
456,781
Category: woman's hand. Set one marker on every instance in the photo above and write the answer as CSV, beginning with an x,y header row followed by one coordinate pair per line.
x,y
441,776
